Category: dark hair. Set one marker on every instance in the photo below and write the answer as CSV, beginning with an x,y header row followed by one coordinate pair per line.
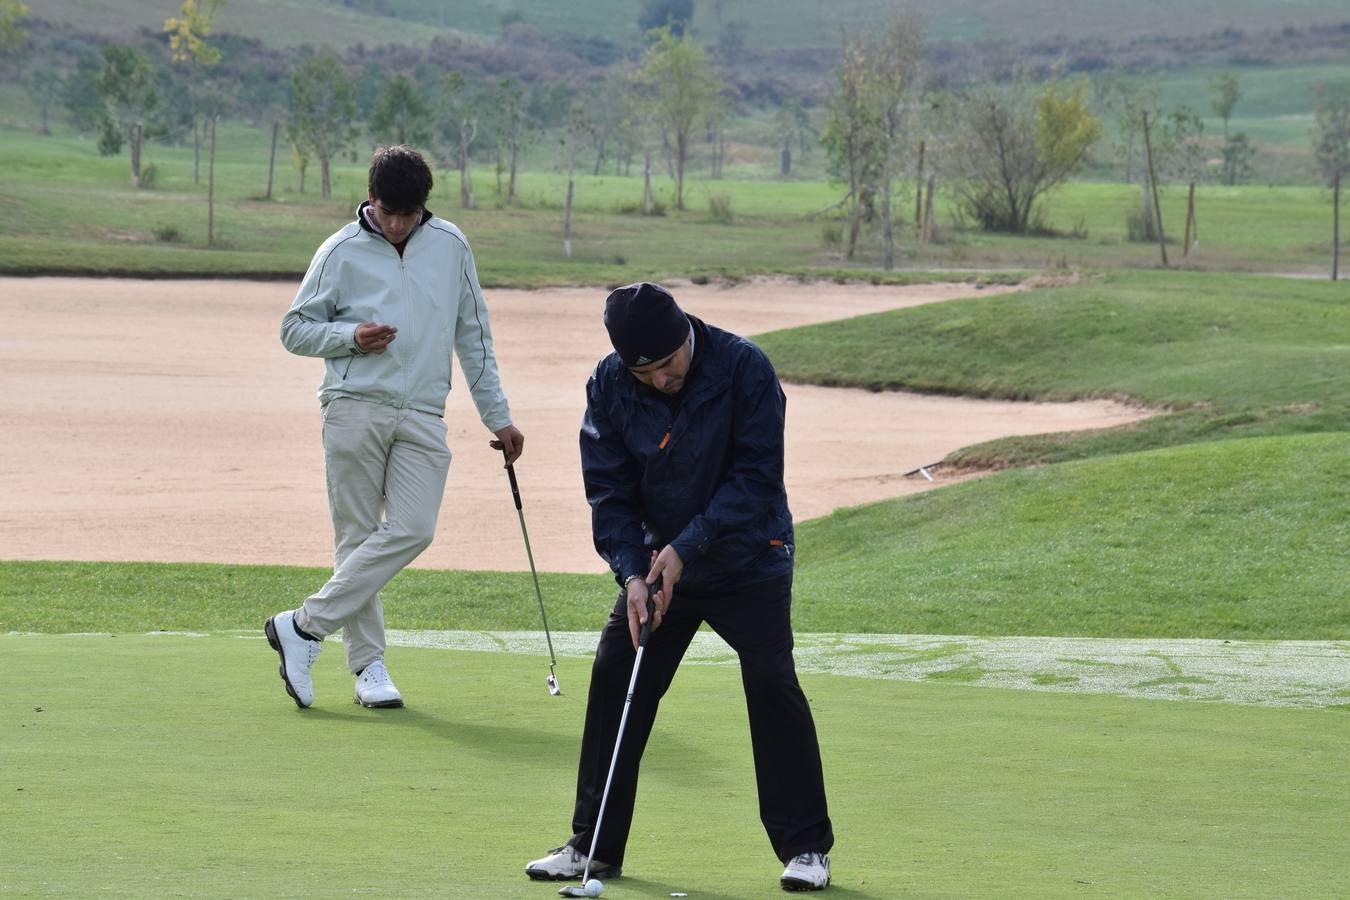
x,y
399,178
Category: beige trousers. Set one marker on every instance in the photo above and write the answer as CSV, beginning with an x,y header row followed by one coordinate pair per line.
x,y
386,475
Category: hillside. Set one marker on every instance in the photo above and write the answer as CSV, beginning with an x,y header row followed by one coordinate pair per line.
x,y
767,24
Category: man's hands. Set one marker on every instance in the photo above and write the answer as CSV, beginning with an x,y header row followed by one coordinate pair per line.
x,y
667,567
372,337
511,440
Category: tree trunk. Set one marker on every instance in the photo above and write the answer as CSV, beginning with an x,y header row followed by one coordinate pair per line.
x,y
272,158
326,181
854,228
785,159
196,149
465,188
511,180
1153,180
567,220
887,228
1190,217
1336,227
211,188
681,147
918,195
599,158
928,210
647,180
136,133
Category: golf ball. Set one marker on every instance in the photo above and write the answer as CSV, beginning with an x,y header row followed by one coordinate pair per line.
x,y
594,887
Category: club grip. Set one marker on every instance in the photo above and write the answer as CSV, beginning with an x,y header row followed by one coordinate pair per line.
x,y
511,473
647,626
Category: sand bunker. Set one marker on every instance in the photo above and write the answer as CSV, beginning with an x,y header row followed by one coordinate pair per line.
x,y
163,421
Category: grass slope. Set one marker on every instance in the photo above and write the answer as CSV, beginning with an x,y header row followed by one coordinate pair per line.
x,y
175,765
1234,355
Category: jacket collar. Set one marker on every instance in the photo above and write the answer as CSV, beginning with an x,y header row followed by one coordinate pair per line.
x,y
367,222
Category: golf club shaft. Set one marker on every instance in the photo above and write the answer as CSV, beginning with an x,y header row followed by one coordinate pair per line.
x,y
618,739
525,533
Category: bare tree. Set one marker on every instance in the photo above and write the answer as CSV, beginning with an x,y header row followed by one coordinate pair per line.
x,y
1226,95
681,86
852,136
459,125
1332,147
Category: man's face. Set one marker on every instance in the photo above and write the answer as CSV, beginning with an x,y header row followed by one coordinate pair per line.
x,y
666,375
396,224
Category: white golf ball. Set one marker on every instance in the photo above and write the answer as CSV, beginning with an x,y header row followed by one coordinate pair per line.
x,y
593,887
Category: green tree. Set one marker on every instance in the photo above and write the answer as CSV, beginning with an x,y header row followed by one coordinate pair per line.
x,y
513,129
187,45
130,104
1017,142
1226,93
13,34
400,115
681,87
46,85
1237,153
323,107
1331,145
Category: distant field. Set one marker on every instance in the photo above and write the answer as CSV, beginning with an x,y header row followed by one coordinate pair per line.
x,y
773,23
73,211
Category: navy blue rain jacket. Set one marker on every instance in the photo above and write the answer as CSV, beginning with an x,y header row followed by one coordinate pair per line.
x,y
702,471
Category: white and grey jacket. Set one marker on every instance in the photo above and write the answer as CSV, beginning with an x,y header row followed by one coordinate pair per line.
x,y
430,294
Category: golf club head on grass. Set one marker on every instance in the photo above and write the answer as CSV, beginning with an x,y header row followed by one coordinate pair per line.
x,y
553,685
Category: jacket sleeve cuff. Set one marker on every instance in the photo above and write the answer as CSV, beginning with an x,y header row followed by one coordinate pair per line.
x,y
348,334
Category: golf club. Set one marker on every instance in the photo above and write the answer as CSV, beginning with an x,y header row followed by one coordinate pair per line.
x,y
552,660
585,889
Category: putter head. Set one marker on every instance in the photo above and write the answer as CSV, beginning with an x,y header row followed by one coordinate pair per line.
x,y
572,890
554,690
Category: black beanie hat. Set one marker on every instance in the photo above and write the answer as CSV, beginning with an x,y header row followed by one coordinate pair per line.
x,y
644,323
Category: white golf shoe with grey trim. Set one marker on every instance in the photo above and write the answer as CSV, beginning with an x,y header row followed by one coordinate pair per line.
x,y
375,690
297,656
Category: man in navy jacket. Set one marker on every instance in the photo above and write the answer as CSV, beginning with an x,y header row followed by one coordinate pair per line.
x,y
682,458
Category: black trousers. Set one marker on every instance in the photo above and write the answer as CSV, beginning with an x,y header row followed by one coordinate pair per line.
x,y
756,623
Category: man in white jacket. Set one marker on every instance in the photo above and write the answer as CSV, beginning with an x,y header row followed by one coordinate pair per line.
x,y
386,303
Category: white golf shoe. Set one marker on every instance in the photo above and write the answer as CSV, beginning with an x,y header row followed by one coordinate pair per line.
x,y
374,689
567,862
806,872
297,656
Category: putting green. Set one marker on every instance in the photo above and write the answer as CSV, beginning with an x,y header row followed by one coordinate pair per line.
x,y
161,765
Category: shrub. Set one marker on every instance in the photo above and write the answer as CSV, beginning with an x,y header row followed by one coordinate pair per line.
x,y
719,208
167,234
832,235
149,176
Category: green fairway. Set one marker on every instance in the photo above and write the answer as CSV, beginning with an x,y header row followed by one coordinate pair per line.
x,y
161,765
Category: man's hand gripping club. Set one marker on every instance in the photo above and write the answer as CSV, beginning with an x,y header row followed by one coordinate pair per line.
x,y
658,586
